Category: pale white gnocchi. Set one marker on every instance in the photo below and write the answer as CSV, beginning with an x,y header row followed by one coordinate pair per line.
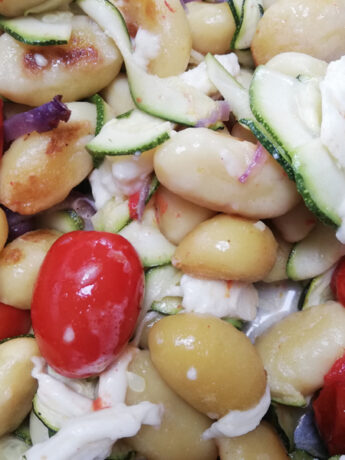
x,y
33,75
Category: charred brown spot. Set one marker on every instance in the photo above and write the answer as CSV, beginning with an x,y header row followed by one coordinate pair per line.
x,y
64,135
77,52
11,256
37,236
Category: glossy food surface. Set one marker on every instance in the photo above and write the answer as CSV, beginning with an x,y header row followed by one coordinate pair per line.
x,y
86,301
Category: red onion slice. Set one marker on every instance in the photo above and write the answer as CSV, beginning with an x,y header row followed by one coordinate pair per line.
x,y
18,224
221,113
258,158
40,119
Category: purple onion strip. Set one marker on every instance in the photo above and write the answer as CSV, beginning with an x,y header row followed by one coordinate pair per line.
x,y
221,113
40,119
258,158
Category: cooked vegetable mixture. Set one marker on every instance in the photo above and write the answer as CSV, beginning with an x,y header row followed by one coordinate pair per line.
x,y
172,229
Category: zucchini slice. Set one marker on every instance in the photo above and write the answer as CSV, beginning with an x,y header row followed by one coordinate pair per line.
x,y
63,221
161,282
319,290
23,432
251,13
114,215
315,254
167,98
104,112
151,245
229,87
290,111
39,432
169,305
12,448
48,29
128,135
238,98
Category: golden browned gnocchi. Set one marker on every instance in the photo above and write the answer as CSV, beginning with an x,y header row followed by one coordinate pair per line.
x,y
204,167
209,363
307,26
229,248
263,442
180,432
212,26
20,262
33,75
299,350
15,379
17,7
40,169
167,21
175,216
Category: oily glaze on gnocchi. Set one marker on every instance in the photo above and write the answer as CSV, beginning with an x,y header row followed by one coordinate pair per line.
x,y
180,432
204,167
308,26
20,262
40,169
33,75
167,21
18,386
209,363
299,350
229,248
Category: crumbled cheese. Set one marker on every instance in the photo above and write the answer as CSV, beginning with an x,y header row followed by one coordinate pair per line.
x,y
198,77
333,109
260,225
87,434
119,177
40,60
146,47
219,298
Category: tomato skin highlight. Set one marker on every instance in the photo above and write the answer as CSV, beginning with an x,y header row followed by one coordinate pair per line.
x,y
338,281
86,301
13,321
329,408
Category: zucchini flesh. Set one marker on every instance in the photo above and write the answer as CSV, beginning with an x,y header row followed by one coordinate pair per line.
x,y
167,98
63,221
114,215
12,448
277,102
52,29
319,290
160,282
104,112
128,135
315,254
251,13
238,98
169,305
151,245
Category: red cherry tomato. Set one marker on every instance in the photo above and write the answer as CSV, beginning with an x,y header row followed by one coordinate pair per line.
x,y
329,408
338,281
13,321
86,301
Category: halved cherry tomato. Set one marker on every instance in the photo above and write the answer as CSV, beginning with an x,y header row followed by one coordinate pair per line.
x,y
86,301
13,321
329,408
338,281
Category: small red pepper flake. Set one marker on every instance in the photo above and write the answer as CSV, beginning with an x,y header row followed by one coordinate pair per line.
x,y
98,404
139,100
170,8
